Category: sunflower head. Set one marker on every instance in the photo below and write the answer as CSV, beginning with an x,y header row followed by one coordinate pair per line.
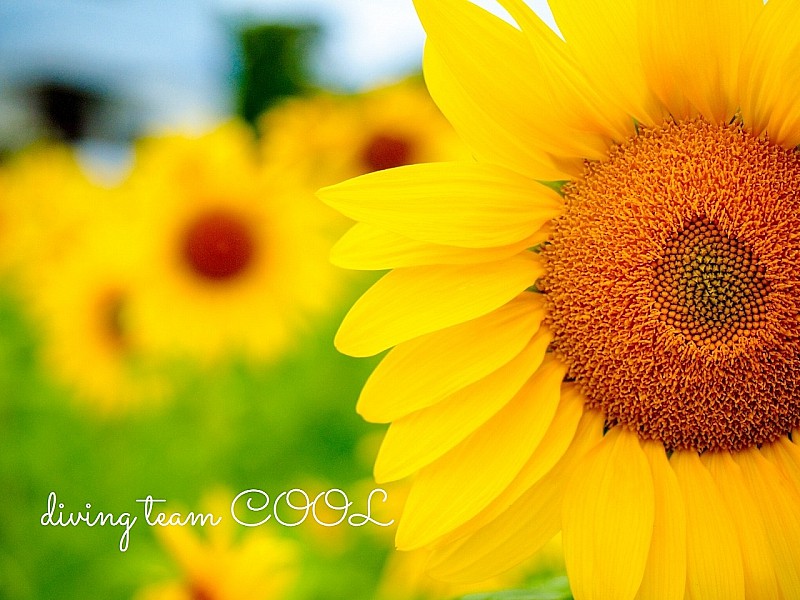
x,y
693,266
329,138
235,251
73,250
219,564
619,362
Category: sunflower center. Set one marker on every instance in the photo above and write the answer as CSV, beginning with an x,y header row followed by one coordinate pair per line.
x,y
111,321
708,286
218,246
673,282
386,151
199,592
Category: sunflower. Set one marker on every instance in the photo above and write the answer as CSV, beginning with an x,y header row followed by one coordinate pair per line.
x,y
72,255
43,207
405,577
235,260
328,138
620,361
80,308
220,565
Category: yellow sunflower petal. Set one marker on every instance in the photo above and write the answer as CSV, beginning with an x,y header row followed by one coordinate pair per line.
x,y
759,572
407,303
609,511
665,573
423,371
561,433
522,528
423,436
367,247
691,67
713,559
489,135
778,504
579,102
491,139
770,74
600,35
458,204
786,456
461,483
475,49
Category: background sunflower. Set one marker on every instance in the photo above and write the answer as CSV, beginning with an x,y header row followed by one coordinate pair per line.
x,y
234,244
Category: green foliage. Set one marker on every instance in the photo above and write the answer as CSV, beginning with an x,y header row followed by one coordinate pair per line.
x,y
556,186
237,426
274,59
556,588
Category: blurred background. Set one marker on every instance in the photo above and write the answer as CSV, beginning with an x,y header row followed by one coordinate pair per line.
x,y
167,304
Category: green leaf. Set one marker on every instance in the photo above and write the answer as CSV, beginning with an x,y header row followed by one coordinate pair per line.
x,y
556,186
553,589
274,65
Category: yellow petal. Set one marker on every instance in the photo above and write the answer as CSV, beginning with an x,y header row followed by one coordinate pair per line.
x,y
566,87
562,431
608,515
534,93
371,248
770,74
487,133
423,436
665,573
690,52
779,505
458,204
786,456
522,528
759,572
423,371
552,447
407,303
461,483
601,35
713,559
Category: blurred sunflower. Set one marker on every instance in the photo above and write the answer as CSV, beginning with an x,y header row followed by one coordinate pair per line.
x,y
328,138
81,311
235,259
220,566
72,252
44,207
631,380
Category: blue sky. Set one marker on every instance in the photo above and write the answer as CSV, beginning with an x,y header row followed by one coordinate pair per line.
x,y
367,40
170,59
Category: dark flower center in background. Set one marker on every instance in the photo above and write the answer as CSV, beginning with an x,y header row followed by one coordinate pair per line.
x,y
386,152
199,592
219,246
111,318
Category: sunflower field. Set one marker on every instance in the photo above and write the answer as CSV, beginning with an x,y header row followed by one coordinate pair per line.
x,y
167,349
520,323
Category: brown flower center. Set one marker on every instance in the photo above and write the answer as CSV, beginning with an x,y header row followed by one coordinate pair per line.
x,y
110,308
218,246
387,151
199,592
708,287
673,281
